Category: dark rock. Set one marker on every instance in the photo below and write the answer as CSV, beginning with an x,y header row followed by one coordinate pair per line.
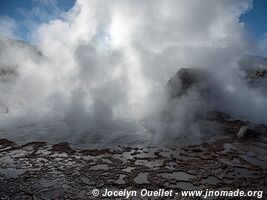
x,y
172,158
96,152
261,129
5,143
251,63
34,144
217,116
197,150
189,79
63,148
255,71
247,132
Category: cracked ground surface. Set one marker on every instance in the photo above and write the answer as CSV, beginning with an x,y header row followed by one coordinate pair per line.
x,y
41,171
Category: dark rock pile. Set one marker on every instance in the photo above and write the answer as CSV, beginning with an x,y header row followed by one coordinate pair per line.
x,y
187,80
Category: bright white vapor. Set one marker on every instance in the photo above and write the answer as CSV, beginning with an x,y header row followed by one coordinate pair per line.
x,y
107,61
8,26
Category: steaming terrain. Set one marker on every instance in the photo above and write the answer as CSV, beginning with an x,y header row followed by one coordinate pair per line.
x,y
89,77
194,84
215,150
219,152
132,94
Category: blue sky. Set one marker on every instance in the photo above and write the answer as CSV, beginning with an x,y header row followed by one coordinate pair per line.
x,y
256,19
29,13
12,7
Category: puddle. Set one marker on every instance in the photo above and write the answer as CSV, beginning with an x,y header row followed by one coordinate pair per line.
x,y
153,164
255,161
105,160
12,172
120,180
243,172
187,186
128,169
141,178
182,176
228,148
211,180
87,180
99,167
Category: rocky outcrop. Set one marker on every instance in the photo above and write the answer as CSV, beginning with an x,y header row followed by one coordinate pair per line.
x,y
187,80
199,81
255,72
63,147
251,63
246,132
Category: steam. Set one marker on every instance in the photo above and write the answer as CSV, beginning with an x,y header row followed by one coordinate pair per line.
x,y
105,64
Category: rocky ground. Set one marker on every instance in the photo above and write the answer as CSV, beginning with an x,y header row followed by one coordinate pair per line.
x,y
40,171
233,157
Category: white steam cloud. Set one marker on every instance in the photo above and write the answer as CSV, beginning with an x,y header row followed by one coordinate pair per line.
x,y
105,64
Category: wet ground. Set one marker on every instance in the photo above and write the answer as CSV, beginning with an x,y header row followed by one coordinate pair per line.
x,y
39,170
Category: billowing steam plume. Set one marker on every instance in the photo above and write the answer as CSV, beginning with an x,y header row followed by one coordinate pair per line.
x,y
105,64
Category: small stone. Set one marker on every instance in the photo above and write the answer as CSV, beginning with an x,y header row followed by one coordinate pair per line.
x,y
63,148
247,132
172,158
